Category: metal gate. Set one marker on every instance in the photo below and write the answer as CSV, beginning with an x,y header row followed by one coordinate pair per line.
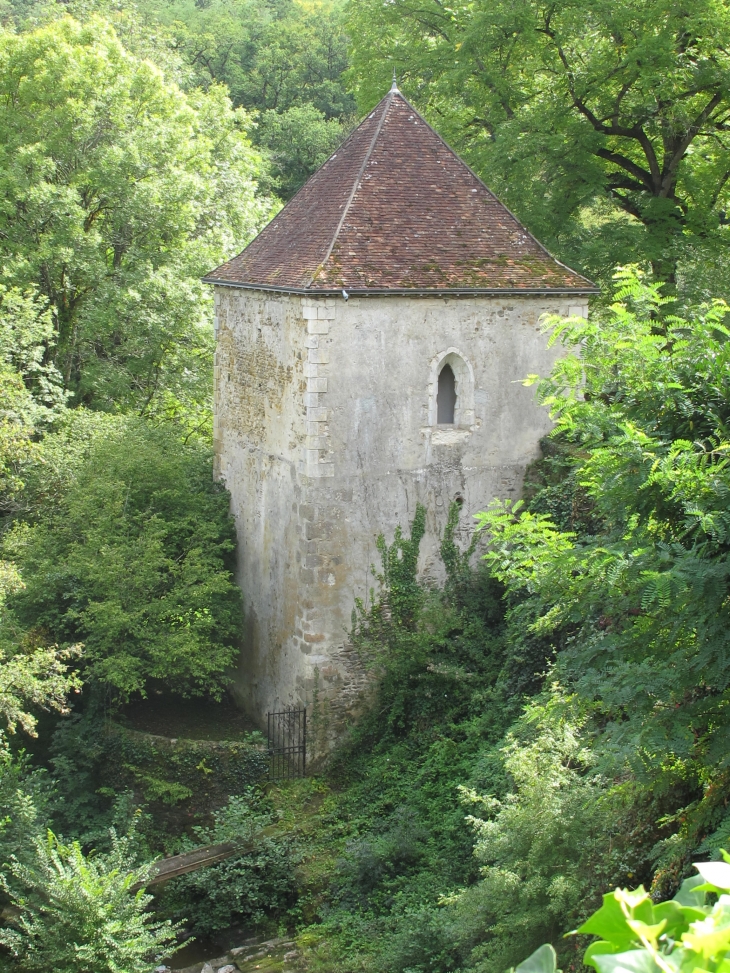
x,y
287,734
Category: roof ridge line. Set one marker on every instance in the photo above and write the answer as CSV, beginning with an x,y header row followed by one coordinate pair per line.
x,y
479,179
389,100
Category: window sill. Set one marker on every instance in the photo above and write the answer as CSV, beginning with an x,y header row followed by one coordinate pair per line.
x,y
444,435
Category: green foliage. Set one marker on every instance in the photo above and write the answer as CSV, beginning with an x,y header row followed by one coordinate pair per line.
x,y
298,141
31,389
79,914
33,673
23,805
544,846
89,794
119,191
101,772
684,933
637,608
283,60
601,124
398,578
421,638
133,558
435,723
271,55
254,886
206,772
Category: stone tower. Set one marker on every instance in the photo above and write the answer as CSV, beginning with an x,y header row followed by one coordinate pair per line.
x,y
371,343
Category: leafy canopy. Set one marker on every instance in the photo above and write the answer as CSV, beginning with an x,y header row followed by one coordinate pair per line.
x,y
636,606
604,125
131,554
118,191
33,673
281,59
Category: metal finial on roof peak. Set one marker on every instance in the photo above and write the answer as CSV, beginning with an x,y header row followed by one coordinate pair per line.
x,y
394,86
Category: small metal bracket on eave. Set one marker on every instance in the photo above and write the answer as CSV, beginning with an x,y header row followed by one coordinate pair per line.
x,y
414,291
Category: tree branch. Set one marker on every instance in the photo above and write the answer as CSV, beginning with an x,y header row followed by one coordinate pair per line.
x,y
636,170
670,167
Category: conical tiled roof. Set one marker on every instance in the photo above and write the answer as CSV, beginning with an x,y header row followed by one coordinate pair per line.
x,y
394,209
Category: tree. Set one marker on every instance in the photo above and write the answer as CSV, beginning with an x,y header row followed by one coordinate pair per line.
x,y
83,914
272,54
544,846
603,124
32,672
298,141
132,554
117,191
635,605
31,389
283,60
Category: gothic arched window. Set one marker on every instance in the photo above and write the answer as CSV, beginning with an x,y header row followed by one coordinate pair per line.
x,y
451,392
446,396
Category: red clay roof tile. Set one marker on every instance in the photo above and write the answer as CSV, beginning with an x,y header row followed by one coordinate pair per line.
x,y
395,209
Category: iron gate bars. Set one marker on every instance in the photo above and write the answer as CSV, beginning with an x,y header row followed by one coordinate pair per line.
x,y
287,736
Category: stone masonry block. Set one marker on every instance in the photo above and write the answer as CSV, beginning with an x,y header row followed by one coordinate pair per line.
x,y
311,456
326,313
311,399
309,313
319,356
315,428
326,547
321,470
316,442
318,327
316,385
317,531
316,415
311,341
311,370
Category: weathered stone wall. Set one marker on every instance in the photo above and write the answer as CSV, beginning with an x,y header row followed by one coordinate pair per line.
x,y
326,436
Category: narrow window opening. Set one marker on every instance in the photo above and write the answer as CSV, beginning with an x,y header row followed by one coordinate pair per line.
x,y
446,399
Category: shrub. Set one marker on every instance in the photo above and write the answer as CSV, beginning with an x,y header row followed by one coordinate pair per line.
x,y
635,934
81,914
134,558
249,887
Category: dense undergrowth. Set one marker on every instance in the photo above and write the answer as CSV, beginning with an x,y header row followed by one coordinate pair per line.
x,y
552,723
549,722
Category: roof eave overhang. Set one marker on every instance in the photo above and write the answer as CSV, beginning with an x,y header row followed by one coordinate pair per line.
x,y
587,291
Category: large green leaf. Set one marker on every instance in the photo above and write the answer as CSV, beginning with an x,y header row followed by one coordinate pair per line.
x,y
633,961
716,874
676,917
689,895
543,960
609,922
599,948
